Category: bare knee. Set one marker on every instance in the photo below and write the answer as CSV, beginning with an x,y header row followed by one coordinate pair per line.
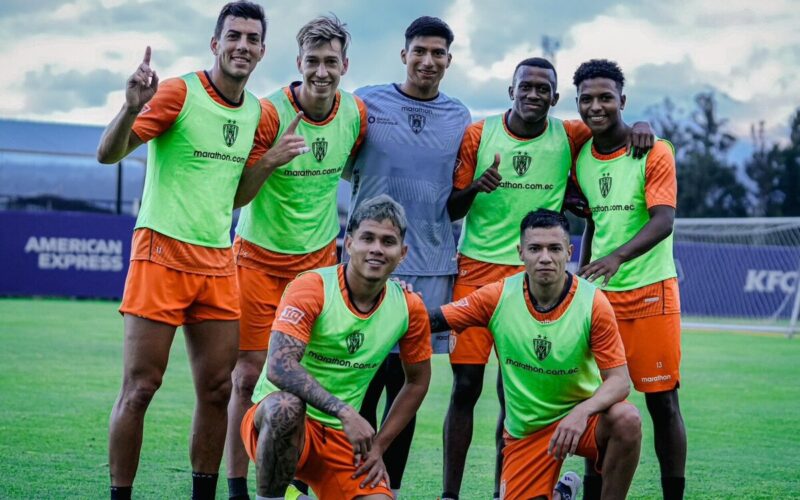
x,y
625,424
467,387
138,392
216,390
245,376
281,412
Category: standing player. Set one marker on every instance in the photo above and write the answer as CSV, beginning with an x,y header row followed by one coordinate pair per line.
x,y
200,129
629,239
409,153
508,164
292,223
562,363
335,327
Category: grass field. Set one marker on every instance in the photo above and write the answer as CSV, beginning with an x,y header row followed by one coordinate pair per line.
x,y
60,367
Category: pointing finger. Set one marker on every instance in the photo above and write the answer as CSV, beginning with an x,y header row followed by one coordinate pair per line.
x,y
293,124
147,53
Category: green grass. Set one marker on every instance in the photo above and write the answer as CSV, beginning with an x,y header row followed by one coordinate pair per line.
x,y
60,369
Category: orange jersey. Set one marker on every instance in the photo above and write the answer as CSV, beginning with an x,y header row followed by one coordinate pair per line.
x,y
478,308
155,247
304,298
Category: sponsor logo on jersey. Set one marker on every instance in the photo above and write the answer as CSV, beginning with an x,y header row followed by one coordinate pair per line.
x,y
541,347
354,341
320,148
291,315
521,163
461,303
230,131
605,184
417,122
453,340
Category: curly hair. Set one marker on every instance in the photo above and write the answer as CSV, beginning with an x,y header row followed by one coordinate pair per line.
x,y
599,68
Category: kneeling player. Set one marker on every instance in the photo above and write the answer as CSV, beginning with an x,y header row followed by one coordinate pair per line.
x,y
334,328
563,366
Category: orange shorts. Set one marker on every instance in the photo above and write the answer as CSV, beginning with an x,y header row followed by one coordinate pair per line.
x,y
326,462
528,471
160,293
653,349
473,345
261,294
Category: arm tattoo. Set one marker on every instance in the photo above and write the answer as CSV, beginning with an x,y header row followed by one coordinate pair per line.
x,y
285,371
437,320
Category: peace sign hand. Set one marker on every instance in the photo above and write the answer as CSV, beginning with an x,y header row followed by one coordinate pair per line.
x,y
142,84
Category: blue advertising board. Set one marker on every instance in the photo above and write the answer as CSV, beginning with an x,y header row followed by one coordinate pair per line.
x,y
64,254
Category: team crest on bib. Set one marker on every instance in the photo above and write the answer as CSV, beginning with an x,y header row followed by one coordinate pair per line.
x,y
521,163
541,347
320,148
605,184
416,122
354,341
230,131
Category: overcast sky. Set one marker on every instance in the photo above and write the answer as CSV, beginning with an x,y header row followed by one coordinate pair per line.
x,y
68,60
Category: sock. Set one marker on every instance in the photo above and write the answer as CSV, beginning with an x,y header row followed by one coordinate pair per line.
x,y
396,493
237,488
592,487
204,486
449,496
259,497
121,492
300,485
673,487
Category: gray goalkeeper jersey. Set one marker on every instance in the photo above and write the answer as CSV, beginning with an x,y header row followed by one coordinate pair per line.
x,y
410,154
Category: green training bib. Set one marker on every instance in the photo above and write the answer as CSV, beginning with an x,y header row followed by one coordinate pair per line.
x,y
535,173
295,211
193,169
615,190
346,350
547,368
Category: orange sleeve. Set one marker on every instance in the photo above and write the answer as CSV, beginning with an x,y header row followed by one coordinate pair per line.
x,y
362,133
158,115
577,133
606,342
415,345
266,133
476,309
300,306
467,161
660,178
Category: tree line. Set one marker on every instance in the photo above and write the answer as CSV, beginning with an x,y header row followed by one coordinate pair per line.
x,y
709,183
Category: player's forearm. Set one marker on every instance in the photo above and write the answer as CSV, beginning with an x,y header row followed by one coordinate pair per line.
x,y
586,244
437,320
460,201
655,231
405,405
613,390
296,380
285,371
115,144
250,182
